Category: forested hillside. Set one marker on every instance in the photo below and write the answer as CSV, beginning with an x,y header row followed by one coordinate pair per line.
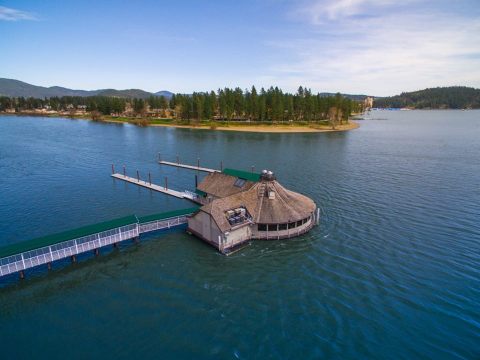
x,y
454,97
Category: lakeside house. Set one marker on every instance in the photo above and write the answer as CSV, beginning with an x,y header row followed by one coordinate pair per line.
x,y
239,206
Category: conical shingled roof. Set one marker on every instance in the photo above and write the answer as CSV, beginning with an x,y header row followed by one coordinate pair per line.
x,y
283,207
222,185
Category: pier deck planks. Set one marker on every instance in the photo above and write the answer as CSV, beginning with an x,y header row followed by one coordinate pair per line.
x,y
190,167
178,194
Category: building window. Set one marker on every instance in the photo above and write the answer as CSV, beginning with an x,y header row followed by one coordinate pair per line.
x,y
272,227
282,227
262,227
299,223
291,225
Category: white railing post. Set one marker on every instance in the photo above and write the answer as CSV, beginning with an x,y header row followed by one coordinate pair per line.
x,y
23,262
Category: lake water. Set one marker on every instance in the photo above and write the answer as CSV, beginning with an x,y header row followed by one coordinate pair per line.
x,y
393,270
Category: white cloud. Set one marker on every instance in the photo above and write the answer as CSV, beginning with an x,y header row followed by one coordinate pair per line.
x,y
320,11
382,54
9,14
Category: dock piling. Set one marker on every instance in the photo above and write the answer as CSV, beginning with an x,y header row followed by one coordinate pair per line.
x,y
113,169
253,168
166,183
96,252
49,266
21,273
73,258
138,176
178,160
198,162
221,165
124,171
150,178
159,157
196,181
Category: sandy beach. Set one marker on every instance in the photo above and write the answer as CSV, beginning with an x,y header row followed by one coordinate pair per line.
x,y
268,128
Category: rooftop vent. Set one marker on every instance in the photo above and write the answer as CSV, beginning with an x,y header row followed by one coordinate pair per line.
x,y
268,175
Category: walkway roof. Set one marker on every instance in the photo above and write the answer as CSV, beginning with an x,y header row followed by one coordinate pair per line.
x,y
65,236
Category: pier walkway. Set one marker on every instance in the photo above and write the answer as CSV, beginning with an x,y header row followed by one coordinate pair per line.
x,y
45,250
190,167
178,194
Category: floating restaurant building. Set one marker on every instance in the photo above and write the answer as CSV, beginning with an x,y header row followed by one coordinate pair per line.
x,y
239,206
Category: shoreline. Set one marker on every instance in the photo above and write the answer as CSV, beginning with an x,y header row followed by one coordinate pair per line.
x,y
267,128
254,128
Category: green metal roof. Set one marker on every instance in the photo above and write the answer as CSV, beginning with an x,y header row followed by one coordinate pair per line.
x,y
166,215
65,236
200,192
251,176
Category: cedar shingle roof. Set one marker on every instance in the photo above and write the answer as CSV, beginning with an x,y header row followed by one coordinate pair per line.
x,y
286,206
222,185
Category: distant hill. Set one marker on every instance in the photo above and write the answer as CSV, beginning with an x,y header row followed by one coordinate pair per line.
x,y
453,97
16,88
164,93
129,93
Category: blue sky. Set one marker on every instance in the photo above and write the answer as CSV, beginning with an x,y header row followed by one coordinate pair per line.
x,y
377,47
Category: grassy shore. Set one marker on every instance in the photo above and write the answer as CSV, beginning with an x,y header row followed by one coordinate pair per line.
x,y
243,126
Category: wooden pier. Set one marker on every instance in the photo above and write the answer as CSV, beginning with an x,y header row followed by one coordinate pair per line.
x,y
190,167
163,189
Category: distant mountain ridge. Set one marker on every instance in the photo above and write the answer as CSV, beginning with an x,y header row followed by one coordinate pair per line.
x,y
452,97
17,88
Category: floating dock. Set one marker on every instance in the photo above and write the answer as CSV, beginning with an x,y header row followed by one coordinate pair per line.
x,y
190,167
45,250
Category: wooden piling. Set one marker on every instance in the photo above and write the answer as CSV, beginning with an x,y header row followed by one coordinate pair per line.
x,y
124,171
113,169
49,266
150,178
198,162
21,273
73,258
96,252
178,160
138,176
166,183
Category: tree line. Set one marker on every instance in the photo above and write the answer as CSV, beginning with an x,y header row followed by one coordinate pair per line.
x,y
271,105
